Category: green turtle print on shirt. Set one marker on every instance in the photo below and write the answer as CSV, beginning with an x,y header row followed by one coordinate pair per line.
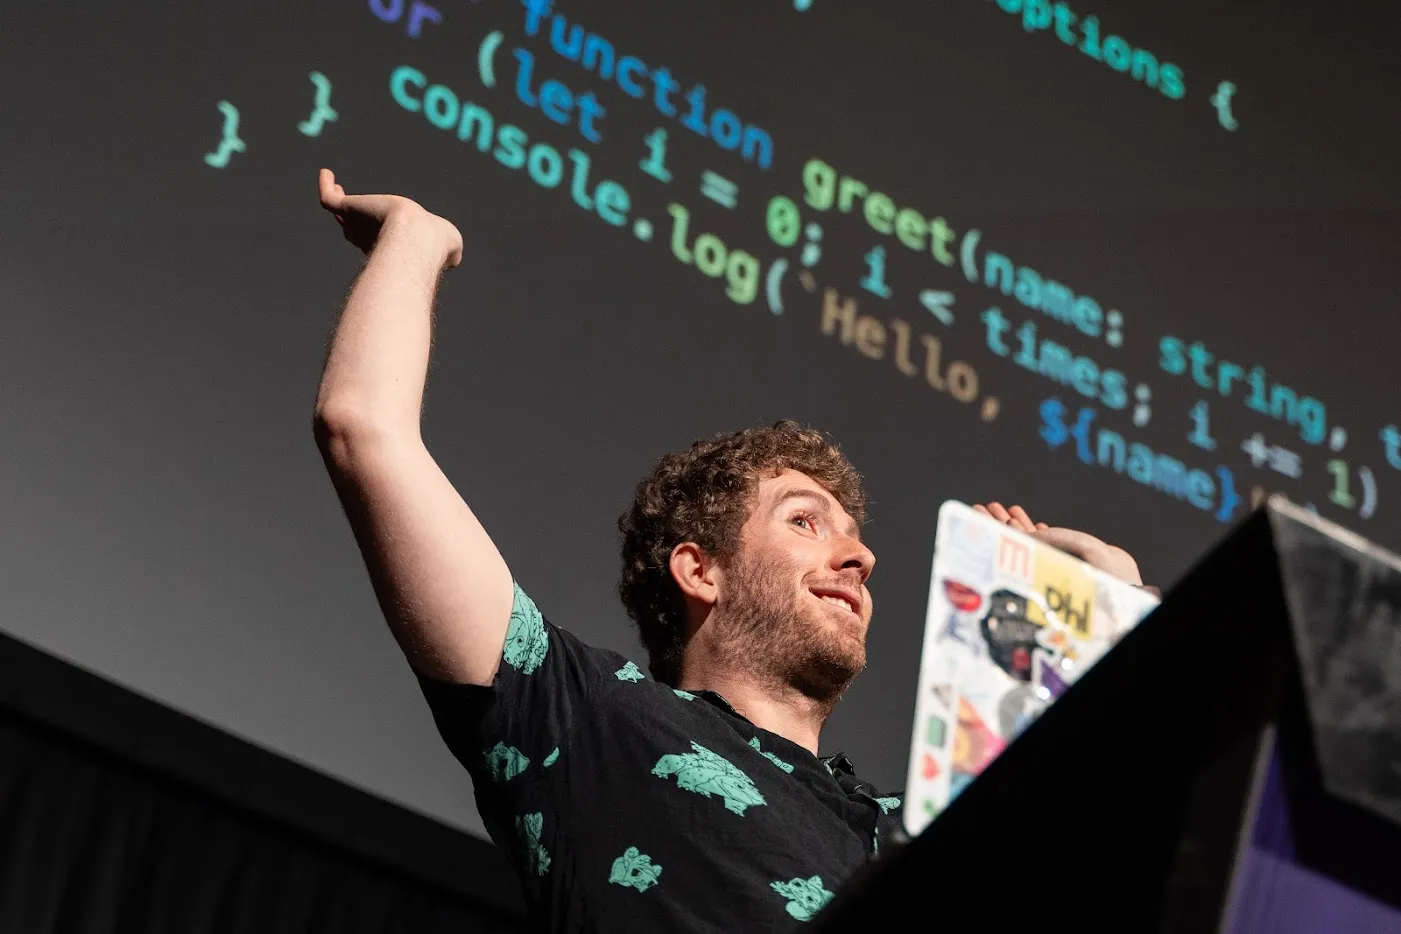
x,y
684,695
529,826
505,762
770,756
629,672
805,896
707,774
635,869
551,758
526,639
888,804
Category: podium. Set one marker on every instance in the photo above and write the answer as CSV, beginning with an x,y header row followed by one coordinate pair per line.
x,y
1232,765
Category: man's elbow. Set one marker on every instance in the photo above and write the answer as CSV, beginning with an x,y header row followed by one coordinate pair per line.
x,y
344,431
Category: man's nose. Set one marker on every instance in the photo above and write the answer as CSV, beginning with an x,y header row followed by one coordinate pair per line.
x,y
852,553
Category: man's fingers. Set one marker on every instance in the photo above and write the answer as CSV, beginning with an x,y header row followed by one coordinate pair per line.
x,y
332,195
1016,517
1080,544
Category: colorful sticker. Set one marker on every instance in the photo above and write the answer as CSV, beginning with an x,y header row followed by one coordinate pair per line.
x,y
1068,591
1013,559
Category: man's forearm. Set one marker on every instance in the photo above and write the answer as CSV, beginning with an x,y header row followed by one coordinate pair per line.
x,y
378,361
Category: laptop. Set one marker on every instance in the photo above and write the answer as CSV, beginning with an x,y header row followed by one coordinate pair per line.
x,y
1011,623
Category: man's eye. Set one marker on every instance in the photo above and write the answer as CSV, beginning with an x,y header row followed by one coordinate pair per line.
x,y
805,520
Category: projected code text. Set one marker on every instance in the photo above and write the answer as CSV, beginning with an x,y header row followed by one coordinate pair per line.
x,y
981,316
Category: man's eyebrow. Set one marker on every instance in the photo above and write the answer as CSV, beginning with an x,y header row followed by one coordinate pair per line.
x,y
854,530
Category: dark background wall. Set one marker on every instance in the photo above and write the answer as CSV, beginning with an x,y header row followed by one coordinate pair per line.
x,y
167,518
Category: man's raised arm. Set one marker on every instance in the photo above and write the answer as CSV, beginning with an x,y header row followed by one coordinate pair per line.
x,y
444,588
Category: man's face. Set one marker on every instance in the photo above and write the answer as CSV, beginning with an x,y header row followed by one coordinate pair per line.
x,y
793,598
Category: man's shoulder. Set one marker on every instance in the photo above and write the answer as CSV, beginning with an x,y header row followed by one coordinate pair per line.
x,y
532,636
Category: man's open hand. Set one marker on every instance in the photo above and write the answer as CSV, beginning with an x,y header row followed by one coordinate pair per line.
x,y
1082,545
364,217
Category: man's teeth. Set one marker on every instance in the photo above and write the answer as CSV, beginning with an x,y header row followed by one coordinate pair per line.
x,y
838,601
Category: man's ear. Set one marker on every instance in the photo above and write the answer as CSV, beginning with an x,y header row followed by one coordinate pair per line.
x,y
695,573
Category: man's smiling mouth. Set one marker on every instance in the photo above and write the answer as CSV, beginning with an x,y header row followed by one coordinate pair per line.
x,y
841,600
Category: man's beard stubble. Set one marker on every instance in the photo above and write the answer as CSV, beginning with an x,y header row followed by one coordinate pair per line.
x,y
769,629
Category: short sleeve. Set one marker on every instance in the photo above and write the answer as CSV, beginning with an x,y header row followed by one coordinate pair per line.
x,y
527,714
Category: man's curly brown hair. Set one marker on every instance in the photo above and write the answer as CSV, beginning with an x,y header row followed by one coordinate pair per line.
x,y
702,495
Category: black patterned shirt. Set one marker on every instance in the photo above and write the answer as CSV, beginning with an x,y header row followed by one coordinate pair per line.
x,y
626,805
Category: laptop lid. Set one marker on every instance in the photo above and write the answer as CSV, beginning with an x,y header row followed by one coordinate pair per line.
x,y
1009,626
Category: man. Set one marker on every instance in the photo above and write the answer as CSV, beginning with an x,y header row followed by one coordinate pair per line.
x,y
691,800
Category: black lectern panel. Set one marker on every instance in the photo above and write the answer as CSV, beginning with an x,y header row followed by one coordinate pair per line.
x,y
1345,601
1132,803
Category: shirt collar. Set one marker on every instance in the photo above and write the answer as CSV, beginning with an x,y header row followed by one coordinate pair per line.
x,y
718,700
837,763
